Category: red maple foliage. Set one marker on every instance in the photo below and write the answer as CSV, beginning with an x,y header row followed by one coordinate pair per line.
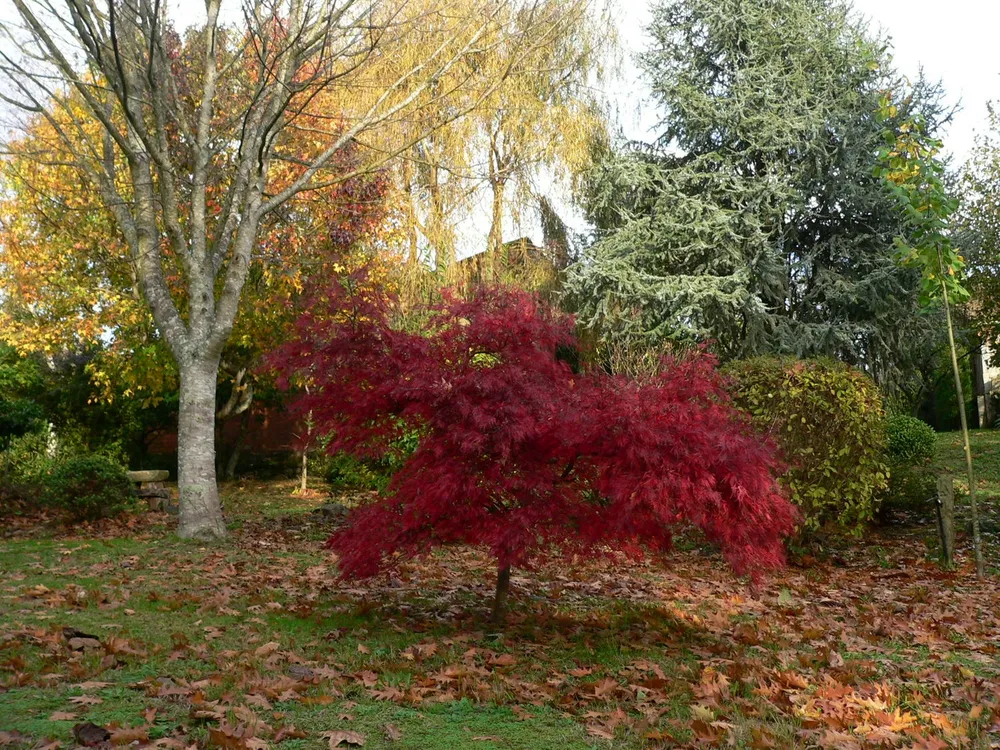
x,y
520,453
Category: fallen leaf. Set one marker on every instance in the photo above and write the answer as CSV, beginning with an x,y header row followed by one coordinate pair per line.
x,y
595,730
393,733
86,700
266,650
341,737
127,736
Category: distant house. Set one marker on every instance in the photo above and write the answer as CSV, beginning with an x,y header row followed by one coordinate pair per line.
x,y
986,384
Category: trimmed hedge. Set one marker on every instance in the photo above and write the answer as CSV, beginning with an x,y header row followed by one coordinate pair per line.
x,y
88,487
910,440
829,423
911,445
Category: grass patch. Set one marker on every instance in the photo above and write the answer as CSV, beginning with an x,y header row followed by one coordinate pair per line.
x,y
254,641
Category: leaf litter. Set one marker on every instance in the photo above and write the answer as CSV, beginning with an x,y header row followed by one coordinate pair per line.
x,y
850,652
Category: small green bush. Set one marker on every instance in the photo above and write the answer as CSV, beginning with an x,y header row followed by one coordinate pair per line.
x,y
88,487
829,423
910,440
344,472
19,416
28,458
911,446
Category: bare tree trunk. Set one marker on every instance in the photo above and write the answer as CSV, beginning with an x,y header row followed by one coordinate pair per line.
x,y
307,444
977,540
500,598
200,511
232,463
494,241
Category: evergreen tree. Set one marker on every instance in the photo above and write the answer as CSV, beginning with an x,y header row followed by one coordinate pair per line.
x,y
754,218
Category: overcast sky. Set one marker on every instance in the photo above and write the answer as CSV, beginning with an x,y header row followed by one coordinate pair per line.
x,y
954,41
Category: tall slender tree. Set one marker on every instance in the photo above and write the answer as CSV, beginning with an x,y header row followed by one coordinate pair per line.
x,y
754,219
185,151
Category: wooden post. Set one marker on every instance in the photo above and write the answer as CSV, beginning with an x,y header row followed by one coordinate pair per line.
x,y
946,518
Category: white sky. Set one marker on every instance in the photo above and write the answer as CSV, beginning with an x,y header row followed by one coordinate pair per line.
x,y
955,41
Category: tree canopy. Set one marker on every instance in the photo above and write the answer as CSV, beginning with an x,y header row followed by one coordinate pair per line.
x,y
754,219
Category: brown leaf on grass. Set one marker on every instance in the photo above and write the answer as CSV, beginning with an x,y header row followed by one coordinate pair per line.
x,y
317,700
266,650
596,730
258,701
363,649
126,736
605,687
83,644
929,743
37,592
289,732
838,741
240,737
12,738
205,712
86,700
393,733
62,716
503,660
343,738
92,685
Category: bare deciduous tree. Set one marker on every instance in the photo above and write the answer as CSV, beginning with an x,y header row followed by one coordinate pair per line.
x,y
189,153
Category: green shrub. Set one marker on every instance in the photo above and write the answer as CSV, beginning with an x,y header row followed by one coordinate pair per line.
x,y
829,422
344,472
911,446
910,440
18,417
28,458
88,487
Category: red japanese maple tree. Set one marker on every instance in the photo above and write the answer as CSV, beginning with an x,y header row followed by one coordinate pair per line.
x,y
518,452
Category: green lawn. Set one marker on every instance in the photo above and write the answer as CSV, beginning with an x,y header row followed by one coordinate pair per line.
x,y
985,458
255,643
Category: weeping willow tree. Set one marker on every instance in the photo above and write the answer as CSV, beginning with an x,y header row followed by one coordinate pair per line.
x,y
539,126
753,219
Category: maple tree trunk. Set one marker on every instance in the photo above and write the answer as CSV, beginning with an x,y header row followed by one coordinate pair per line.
x,y
200,511
500,598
